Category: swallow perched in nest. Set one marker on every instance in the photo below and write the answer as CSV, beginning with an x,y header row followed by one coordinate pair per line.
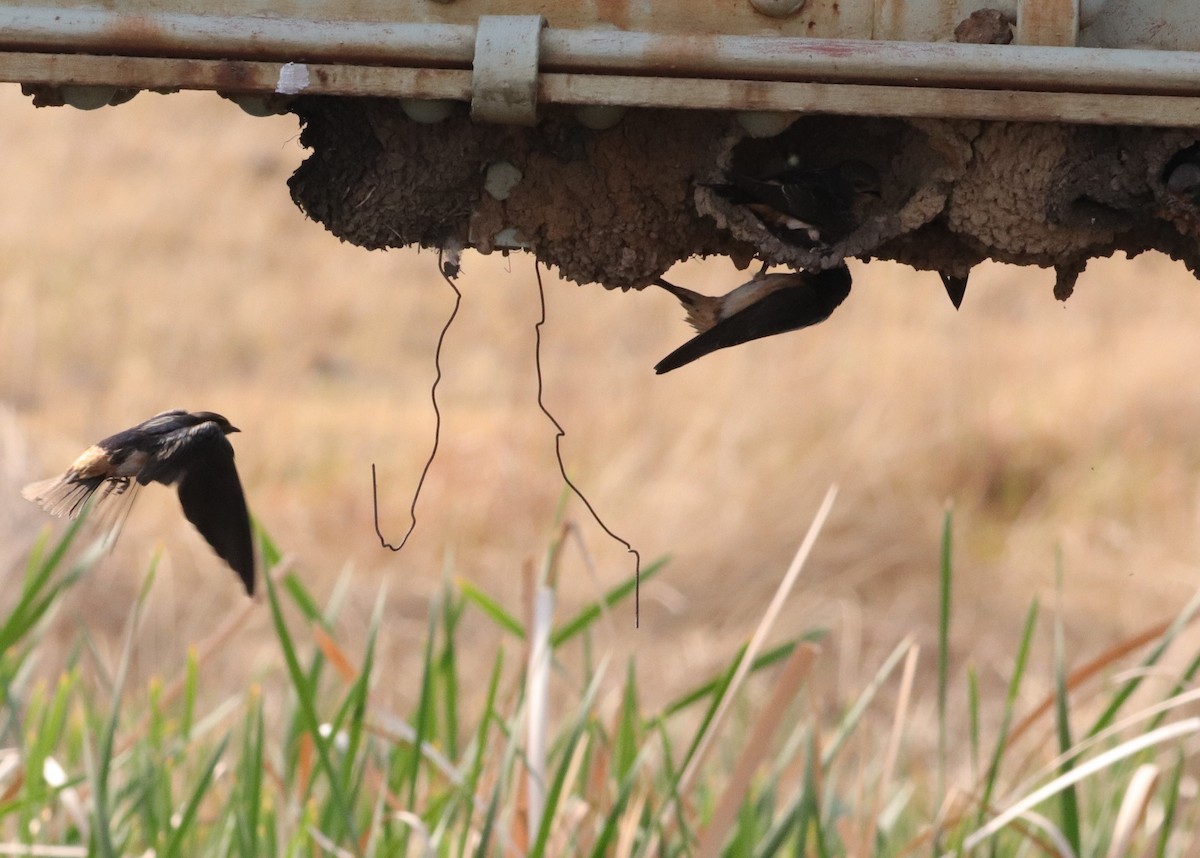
x,y
765,305
189,450
812,206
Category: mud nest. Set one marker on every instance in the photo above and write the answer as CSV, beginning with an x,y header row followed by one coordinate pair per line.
x,y
620,206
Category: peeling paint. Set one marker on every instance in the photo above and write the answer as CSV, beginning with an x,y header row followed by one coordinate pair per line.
x,y
293,79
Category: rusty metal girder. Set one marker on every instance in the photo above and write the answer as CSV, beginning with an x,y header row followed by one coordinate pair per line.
x,y
596,67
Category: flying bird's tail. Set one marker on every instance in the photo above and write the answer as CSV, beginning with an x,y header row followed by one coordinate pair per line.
x,y
110,500
701,310
62,495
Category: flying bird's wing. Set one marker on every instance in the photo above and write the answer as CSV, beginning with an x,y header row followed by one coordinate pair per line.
x,y
200,460
189,449
787,309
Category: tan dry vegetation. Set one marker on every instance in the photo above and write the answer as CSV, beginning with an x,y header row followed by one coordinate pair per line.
x,y
152,259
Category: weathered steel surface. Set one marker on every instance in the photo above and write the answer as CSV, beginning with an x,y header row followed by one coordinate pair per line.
x,y
818,18
602,67
856,100
1158,24
234,76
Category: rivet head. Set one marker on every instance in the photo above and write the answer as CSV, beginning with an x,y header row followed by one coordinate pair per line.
x,y
777,8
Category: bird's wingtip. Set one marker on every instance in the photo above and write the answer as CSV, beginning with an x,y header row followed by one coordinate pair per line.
x,y
956,288
672,361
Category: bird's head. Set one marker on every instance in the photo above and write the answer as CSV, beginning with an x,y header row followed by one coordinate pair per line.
x,y
213,417
863,178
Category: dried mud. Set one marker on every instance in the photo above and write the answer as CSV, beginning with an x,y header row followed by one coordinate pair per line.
x,y
620,206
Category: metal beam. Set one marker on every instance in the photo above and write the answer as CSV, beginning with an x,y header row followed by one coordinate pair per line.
x,y
1025,67
234,76
248,54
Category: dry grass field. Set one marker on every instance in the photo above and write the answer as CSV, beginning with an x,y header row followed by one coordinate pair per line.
x,y
150,257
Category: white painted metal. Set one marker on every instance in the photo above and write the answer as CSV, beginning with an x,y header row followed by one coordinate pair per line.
x,y
173,34
504,79
609,52
1018,67
1157,24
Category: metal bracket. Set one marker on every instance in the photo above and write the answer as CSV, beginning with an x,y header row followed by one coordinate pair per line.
x,y
504,84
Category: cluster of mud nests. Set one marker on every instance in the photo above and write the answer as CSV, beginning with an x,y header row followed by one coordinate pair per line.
x,y
620,206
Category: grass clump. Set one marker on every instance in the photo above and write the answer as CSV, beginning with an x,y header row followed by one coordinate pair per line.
x,y
552,752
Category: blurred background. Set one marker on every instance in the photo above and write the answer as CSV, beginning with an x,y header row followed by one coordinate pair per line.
x,y
151,258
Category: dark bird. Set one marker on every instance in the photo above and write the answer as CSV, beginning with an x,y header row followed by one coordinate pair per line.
x,y
765,305
956,288
1182,175
811,205
175,447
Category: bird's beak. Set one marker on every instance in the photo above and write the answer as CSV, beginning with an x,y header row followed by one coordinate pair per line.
x,y
232,429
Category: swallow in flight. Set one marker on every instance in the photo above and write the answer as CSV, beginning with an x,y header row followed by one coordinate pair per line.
x,y
813,206
188,450
956,288
765,305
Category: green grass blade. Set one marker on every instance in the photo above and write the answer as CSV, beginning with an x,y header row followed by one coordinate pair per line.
x,y
489,822
849,722
183,828
555,794
304,601
592,612
306,694
249,790
191,686
102,810
608,830
1069,797
491,609
1109,715
1170,807
447,671
481,747
943,662
38,589
707,689
973,719
423,724
627,738
270,551
1010,703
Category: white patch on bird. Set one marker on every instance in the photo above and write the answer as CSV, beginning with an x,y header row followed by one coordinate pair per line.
x,y
753,291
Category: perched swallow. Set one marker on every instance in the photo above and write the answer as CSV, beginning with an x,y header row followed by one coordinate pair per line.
x,y
816,205
956,288
765,305
174,447
1182,176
